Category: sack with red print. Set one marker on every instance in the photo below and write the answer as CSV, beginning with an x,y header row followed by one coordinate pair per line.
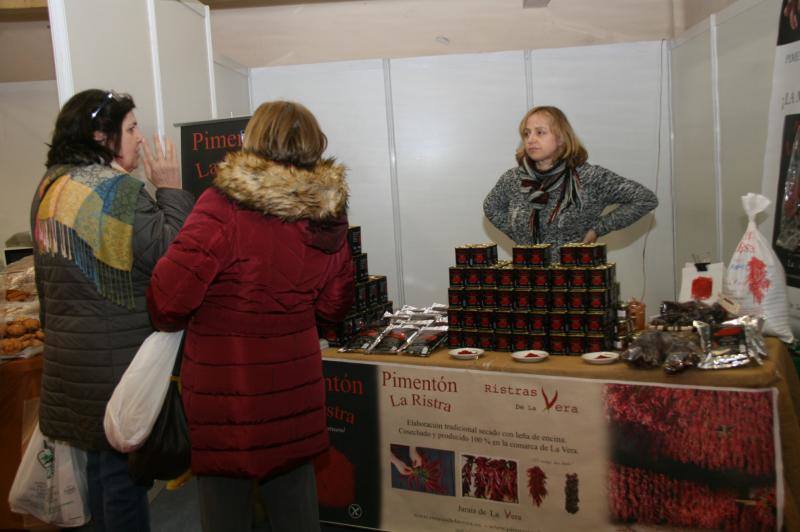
x,y
755,279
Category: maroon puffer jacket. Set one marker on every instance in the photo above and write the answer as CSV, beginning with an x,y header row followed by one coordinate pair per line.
x,y
260,255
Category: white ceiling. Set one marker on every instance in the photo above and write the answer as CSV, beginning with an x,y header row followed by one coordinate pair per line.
x,y
327,30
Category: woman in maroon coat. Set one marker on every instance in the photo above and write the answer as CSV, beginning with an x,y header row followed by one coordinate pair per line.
x,y
263,252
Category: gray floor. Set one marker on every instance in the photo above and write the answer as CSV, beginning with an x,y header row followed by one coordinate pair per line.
x,y
177,511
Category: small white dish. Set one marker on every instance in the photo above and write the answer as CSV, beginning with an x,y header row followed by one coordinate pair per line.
x,y
600,357
530,355
466,353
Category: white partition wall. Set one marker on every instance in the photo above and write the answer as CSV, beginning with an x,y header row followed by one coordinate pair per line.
x,y
721,83
156,50
616,98
232,82
693,168
746,36
426,139
349,101
455,123
27,115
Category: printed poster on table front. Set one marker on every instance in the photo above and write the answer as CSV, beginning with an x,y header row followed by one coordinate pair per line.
x,y
458,450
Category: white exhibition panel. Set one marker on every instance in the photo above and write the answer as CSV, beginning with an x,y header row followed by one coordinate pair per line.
x,y
27,114
109,48
349,102
456,120
745,40
615,97
233,90
183,65
693,177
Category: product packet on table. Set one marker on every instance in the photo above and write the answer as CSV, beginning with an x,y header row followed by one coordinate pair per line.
x,y
397,335
731,344
426,341
362,341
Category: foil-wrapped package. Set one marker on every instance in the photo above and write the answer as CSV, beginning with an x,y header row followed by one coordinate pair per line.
x,y
732,343
682,354
647,349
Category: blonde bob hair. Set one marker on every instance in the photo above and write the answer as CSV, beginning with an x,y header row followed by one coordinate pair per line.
x,y
287,133
572,151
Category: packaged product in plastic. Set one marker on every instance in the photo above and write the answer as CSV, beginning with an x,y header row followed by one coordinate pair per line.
x,y
755,278
426,341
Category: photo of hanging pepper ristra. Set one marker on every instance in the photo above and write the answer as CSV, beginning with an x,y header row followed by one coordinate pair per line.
x,y
494,479
536,484
641,496
722,442
427,476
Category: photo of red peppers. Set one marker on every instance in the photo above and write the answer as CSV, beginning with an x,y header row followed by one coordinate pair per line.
x,y
691,457
536,484
422,469
493,479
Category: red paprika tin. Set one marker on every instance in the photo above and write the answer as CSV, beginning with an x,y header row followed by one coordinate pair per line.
x,y
520,341
469,318
453,338
505,278
538,322
455,297
469,337
598,342
486,319
505,298
502,320
558,299
454,317
602,276
502,341
538,341
489,277
486,339
522,299
472,297
568,254
519,321
540,277
576,344
457,276
558,344
462,256
557,322
540,300
577,299
578,277
488,297
559,277
576,322
598,321
599,299
523,277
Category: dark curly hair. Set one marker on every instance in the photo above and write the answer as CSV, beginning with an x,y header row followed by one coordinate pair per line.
x,y
83,114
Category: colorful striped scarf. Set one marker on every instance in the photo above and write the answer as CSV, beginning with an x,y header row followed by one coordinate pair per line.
x,y
86,216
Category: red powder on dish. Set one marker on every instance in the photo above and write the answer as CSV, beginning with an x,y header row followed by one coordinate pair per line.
x,y
466,352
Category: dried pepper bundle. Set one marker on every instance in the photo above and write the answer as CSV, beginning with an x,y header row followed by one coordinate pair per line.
x,y
489,478
714,430
640,496
536,484
427,476
571,493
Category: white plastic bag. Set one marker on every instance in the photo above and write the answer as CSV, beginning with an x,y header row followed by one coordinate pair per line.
x,y
134,406
755,279
51,483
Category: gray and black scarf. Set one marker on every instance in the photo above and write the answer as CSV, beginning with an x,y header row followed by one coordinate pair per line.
x,y
560,180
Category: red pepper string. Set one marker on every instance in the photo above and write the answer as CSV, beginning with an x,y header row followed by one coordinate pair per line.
x,y
427,476
536,485
714,430
640,496
489,478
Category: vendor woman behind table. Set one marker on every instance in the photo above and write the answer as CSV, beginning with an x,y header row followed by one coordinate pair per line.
x,y
554,196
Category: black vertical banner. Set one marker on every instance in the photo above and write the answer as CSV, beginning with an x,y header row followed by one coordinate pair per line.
x,y
348,475
786,230
203,145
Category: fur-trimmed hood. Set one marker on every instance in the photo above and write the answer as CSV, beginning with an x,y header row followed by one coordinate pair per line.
x,y
286,192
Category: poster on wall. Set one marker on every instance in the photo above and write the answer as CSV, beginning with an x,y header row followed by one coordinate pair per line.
x,y
781,177
473,451
203,145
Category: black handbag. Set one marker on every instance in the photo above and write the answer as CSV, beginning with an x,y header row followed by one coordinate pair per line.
x,y
166,453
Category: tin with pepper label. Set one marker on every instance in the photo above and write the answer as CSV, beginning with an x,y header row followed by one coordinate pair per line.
x,y
559,277
576,344
502,341
455,297
519,321
540,278
469,318
488,297
599,298
557,321
453,337
538,322
505,298
577,299
522,277
486,339
576,322
502,320
539,341
522,299
486,319
454,317
540,300
520,341
472,297
558,344
578,277
558,299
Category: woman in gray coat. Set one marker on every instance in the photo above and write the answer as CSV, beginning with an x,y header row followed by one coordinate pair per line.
x,y
554,196
98,235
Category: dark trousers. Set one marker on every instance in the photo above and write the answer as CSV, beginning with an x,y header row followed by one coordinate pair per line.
x,y
291,501
117,504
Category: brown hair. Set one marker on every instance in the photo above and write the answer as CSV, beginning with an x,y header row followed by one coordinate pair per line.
x,y
287,133
572,151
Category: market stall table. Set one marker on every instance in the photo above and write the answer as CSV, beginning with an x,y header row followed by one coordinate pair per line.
x,y
777,372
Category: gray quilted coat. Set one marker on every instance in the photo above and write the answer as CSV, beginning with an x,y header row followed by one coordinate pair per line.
x,y
89,340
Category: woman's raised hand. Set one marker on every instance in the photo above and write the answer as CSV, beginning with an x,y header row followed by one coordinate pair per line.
x,y
161,164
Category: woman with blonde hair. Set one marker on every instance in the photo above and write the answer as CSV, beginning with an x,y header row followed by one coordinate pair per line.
x,y
261,255
553,195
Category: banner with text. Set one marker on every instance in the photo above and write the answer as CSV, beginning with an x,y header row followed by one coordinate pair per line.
x,y
781,179
416,448
203,145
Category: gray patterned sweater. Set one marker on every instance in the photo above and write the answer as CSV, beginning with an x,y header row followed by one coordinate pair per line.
x,y
508,208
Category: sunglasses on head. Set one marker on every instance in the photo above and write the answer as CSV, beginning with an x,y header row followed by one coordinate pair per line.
x,y
110,95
